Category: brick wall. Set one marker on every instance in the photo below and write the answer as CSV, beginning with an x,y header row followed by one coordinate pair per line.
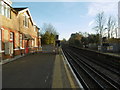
x,y
15,24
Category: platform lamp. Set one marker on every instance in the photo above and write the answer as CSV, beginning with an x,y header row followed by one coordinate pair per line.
x,y
56,39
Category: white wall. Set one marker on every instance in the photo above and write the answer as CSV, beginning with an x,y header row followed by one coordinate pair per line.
x,y
8,2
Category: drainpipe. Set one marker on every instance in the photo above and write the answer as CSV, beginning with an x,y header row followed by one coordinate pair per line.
x,y
38,33
38,39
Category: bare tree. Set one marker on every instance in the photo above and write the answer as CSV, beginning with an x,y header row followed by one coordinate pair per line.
x,y
100,25
116,32
111,25
48,34
49,28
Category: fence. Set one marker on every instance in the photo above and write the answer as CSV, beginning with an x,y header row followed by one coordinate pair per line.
x,y
113,47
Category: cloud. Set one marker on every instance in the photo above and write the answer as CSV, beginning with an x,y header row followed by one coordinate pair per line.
x,y
108,7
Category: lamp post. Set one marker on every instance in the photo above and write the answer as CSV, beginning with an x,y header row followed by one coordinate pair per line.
x,y
38,38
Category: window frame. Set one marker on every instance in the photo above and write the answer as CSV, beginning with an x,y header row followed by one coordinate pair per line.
x,y
21,40
5,9
26,21
11,36
1,7
34,28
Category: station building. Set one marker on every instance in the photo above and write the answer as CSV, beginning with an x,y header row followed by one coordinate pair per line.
x,y
19,34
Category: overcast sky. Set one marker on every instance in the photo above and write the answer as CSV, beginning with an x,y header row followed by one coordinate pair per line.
x,y
68,17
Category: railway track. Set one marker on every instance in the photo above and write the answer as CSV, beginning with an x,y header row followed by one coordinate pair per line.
x,y
109,66
86,71
114,62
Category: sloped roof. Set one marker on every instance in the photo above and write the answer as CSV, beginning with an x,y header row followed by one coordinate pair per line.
x,y
23,9
20,9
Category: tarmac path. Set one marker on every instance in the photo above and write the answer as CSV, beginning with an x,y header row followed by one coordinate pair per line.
x,y
32,71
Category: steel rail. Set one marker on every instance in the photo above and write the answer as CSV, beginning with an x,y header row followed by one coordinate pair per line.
x,y
97,72
108,67
85,86
87,73
112,63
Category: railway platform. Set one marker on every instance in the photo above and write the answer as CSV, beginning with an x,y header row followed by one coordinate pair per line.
x,y
62,76
39,70
113,54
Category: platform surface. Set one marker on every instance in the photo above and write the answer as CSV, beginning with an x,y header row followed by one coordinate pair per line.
x,y
40,70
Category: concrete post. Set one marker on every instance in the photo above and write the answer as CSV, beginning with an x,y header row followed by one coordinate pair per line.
x,y
119,19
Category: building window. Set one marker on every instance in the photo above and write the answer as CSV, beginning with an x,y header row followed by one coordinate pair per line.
x,y
36,42
8,11
21,40
26,21
0,7
11,36
4,9
33,43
